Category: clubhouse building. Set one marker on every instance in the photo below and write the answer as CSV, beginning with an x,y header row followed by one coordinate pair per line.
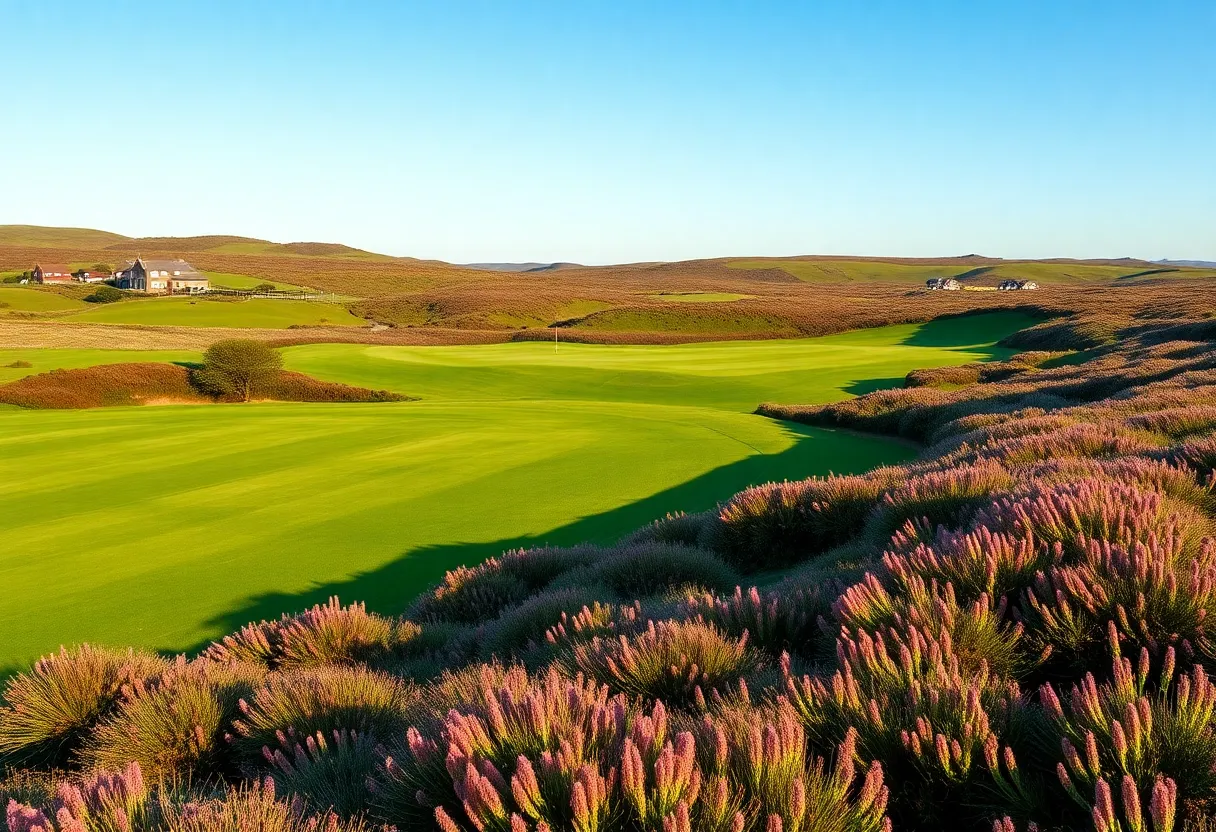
x,y
161,277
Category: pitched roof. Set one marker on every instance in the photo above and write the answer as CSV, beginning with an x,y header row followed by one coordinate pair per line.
x,y
53,268
174,265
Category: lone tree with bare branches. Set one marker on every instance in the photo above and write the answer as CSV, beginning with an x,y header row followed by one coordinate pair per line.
x,y
237,366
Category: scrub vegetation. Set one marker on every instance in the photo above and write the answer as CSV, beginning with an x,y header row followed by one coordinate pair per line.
x,y
1008,632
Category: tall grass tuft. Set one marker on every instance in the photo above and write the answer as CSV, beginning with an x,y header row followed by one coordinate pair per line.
x,y
175,726
322,700
104,802
48,711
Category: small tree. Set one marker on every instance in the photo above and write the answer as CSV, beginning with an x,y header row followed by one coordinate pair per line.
x,y
264,287
237,366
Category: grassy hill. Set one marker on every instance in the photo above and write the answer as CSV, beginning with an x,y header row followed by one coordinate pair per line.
x,y
231,513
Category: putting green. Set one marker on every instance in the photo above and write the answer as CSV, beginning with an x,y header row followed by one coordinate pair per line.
x,y
253,312
167,526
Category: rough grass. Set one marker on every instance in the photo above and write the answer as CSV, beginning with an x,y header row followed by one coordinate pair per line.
x,y
263,313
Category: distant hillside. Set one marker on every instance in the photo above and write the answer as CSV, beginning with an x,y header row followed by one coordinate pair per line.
x,y
38,236
35,236
521,267
1198,264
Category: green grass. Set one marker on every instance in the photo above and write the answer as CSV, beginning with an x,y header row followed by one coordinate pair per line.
x,y
242,281
23,299
834,271
679,320
699,297
168,526
254,312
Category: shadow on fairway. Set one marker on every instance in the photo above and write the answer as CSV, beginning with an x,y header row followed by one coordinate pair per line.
x,y
392,587
971,333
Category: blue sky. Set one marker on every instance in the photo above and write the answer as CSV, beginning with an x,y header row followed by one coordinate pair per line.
x,y
620,131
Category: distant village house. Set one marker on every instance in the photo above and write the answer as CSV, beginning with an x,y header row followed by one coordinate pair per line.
x,y
52,274
92,276
161,277
1015,285
947,283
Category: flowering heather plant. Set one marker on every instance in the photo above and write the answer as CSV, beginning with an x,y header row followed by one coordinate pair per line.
x,y
675,661
780,786
976,633
976,562
175,725
323,700
479,594
543,749
939,497
1176,422
48,711
1156,595
1174,480
323,635
648,569
780,621
1084,440
104,802
329,771
521,629
912,708
1095,509
677,527
1124,729
254,808
779,524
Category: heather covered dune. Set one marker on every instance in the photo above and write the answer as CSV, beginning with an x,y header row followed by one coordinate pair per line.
x,y
1012,631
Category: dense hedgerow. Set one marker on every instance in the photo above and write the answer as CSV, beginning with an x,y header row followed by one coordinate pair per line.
x,y
935,651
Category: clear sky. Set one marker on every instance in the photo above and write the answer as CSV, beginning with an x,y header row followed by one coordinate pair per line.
x,y
620,131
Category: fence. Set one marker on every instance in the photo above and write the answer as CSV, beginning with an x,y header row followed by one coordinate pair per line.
x,y
280,294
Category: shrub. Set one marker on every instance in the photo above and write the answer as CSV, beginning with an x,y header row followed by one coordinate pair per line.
x,y
1094,509
786,620
938,497
1154,594
105,294
1177,422
676,662
104,802
323,700
553,730
253,808
779,524
237,366
330,772
480,593
678,528
1121,732
175,726
49,710
643,569
522,628
19,365
328,634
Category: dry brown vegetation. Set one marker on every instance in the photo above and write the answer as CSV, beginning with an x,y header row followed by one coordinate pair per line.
x,y
111,385
785,297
